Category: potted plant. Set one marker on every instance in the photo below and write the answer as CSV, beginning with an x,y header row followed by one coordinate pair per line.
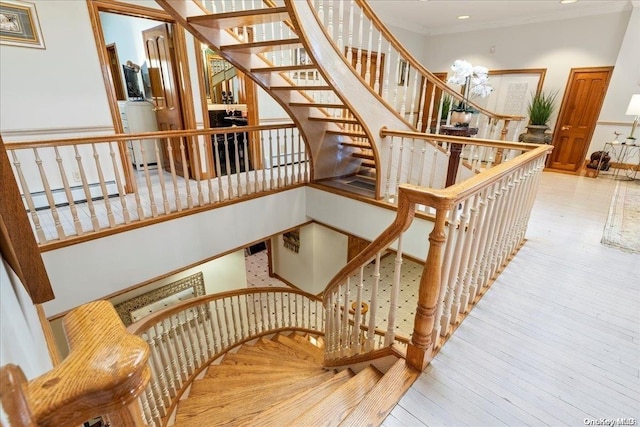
x,y
540,109
474,82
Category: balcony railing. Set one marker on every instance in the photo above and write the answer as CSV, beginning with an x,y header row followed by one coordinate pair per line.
x,y
75,187
393,73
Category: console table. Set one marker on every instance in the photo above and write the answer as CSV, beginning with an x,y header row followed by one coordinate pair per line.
x,y
626,156
455,149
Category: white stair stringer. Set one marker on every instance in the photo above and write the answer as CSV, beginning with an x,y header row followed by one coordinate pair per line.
x,y
370,109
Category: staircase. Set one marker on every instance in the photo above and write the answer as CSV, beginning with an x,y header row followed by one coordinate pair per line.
x,y
337,113
281,381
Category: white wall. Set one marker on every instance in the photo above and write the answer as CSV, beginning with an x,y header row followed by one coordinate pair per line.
x,y
365,220
57,87
94,269
323,252
221,274
21,339
624,82
591,41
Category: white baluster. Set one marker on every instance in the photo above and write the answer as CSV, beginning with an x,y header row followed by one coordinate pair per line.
x,y
373,306
121,190
395,292
103,187
87,192
67,191
27,196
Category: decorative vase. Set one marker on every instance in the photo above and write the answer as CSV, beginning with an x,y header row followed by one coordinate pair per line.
x,y
535,134
461,117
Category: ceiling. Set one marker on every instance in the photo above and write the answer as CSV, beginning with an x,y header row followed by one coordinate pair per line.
x,y
432,17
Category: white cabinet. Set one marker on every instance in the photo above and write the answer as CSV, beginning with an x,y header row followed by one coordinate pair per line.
x,y
137,117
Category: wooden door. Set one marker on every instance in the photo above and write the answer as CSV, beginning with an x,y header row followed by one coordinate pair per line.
x,y
431,94
158,47
375,69
116,71
579,112
355,245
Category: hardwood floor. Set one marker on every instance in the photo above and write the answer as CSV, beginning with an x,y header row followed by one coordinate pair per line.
x,y
556,340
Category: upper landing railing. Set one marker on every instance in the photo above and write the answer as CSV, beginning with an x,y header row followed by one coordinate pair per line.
x,y
395,75
76,187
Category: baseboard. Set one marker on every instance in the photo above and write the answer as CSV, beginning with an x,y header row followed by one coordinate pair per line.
x,y
40,201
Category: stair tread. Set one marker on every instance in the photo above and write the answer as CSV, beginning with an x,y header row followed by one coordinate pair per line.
x,y
329,119
356,144
241,18
203,409
282,68
244,359
348,133
232,387
363,156
315,353
224,371
302,87
317,105
277,354
304,339
286,411
262,46
284,349
337,406
379,402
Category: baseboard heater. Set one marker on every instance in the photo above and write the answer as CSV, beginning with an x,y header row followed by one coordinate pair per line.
x,y
40,201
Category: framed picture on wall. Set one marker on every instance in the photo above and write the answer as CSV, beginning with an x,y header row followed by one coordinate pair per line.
x,y
19,25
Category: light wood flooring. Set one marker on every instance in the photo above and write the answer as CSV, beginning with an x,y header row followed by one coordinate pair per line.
x,y
556,340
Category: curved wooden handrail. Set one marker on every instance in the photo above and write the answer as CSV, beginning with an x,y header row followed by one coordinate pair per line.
x,y
145,323
105,371
414,63
196,361
410,195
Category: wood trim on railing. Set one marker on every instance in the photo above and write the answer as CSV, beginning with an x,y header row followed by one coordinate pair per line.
x,y
54,353
125,136
105,371
145,323
17,243
414,63
150,221
384,132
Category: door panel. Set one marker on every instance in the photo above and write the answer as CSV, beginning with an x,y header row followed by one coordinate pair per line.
x,y
164,89
578,115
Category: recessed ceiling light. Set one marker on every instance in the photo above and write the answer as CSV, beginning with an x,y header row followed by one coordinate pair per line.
x,y
567,1
464,17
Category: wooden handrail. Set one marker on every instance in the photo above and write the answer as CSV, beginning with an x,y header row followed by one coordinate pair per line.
x,y
509,145
213,324
415,64
105,371
410,195
145,323
142,135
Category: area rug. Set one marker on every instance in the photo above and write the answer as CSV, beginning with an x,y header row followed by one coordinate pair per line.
x,y
622,229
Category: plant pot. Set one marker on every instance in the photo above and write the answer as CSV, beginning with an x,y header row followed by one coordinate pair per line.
x,y
461,117
536,134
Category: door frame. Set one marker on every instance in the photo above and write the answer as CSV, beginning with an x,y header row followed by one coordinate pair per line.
x,y
182,65
564,105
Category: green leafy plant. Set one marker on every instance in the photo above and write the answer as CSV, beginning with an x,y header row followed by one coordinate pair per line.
x,y
446,106
541,108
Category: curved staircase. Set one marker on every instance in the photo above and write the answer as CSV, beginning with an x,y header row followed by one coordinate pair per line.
x,y
278,381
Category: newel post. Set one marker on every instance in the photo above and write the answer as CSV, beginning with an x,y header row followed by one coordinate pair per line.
x,y
419,352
